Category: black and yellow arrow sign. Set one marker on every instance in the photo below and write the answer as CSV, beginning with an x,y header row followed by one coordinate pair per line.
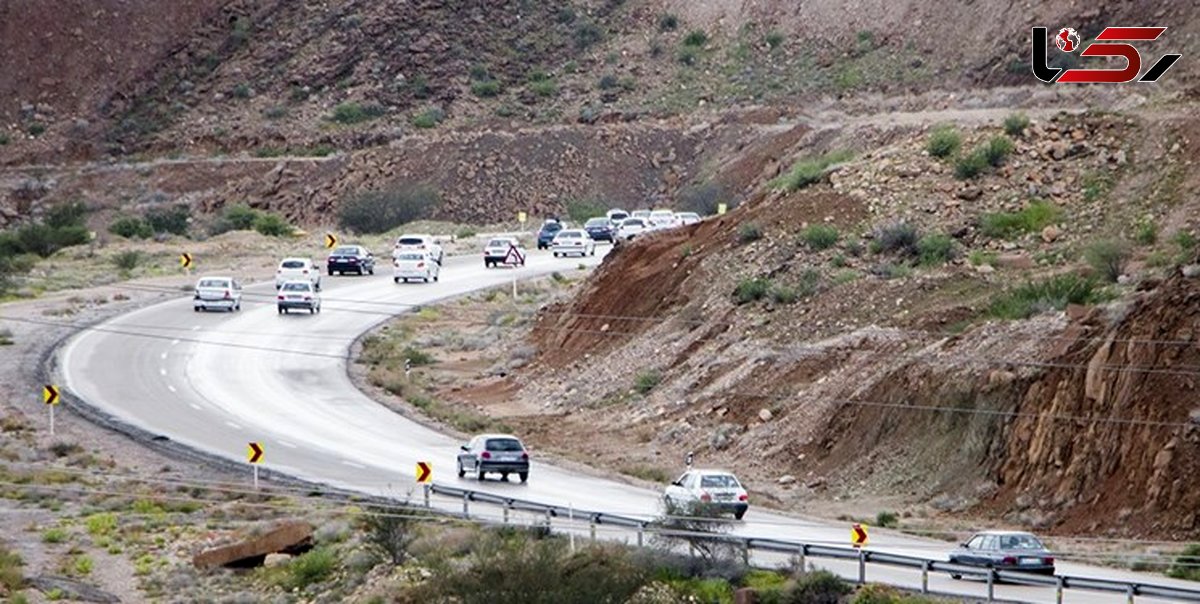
x,y
330,240
50,394
424,472
254,453
185,260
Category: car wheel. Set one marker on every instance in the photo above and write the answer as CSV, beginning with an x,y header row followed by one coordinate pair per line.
x,y
504,476
395,279
461,471
371,271
282,310
425,279
524,476
480,476
738,514
435,278
593,252
312,310
196,308
956,576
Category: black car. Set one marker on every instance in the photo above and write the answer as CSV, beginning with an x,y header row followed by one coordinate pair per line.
x,y
351,259
549,229
494,454
1004,550
600,229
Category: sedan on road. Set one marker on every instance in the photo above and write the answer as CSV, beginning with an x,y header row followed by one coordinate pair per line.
x,y
718,490
350,259
217,292
662,219
297,269
298,295
415,265
573,241
501,454
546,234
600,229
498,249
419,243
1004,550
630,228
686,218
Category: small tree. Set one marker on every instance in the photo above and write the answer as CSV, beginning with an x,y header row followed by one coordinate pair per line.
x,y
700,527
1108,257
943,142
392,530
381,211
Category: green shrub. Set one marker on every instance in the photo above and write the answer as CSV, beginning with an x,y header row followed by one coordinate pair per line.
x,y
565,15
897,238
381,211
997,149
131,227
240,217
272,225
809,283
944,141
587,34
83,566
465,232
1032,218
36,129
882,594
971,165
11,576
820,237
429,118
486,88
808,171
696,38
54,535
1146,232
310,568
1108,258
1187,564
391,531
748,232
818,587
892,270
707,591
668,22
1054,293
544,88
647,380
127,260
41,239
688,55
1097,184
704,198
242,91
782,294
935,249
355,113
4,139
608,81
887,520
751,290
275,113
67,214
1186,242
1016,123
774,40
579,210
419,358
172,219
980,257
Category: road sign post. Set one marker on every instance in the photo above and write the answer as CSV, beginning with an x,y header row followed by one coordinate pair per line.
x,y
688,460
254,455
407,368
515,258
50,396
521,218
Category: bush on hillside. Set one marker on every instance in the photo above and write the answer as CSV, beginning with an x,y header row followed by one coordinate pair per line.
x,y
997,149
935,249
171,219
943,142
1108,258
1032,218
897,238
579,210
810,170
704,199
381,211
1037,297
1016,123
820,237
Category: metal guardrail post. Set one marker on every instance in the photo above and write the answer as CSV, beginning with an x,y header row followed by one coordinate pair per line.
x,y
466,506
592,527
991,578
549,518
746,552
925,577
1130,590
507,506
803,557
641,533
427,489
862,567
1058,588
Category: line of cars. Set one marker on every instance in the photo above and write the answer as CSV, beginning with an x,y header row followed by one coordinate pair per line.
x,y
616,225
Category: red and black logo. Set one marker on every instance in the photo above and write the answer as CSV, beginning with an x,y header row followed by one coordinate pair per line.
x,y
1108,44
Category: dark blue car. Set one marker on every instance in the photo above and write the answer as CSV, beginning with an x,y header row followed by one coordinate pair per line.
x,y
549,229
600,229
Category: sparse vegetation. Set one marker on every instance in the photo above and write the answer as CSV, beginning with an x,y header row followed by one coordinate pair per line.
x,y
54,535
980,257
381,211
429,118
579,210
898,238
587,34
749,232
887,520
810,170
1187,564
782,294
355,113
820,237
971,165
1054,293
1016,123
608,81
272,225
751,290
1185,242
1035,216
544,88
127,260
944,141
173,219
647,380
1108,258
12,578
935,249
668,22
486,88
774,39
309,568
997,149
1097,184
696,38
131,227
62,227
391,531
704,199
1145,232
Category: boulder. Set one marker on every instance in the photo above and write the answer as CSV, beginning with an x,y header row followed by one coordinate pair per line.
x,y
765,415
1050,234
288,537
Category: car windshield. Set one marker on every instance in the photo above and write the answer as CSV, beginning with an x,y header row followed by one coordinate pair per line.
x,y
632,222
345,251
719,481
292,264
1020,542
411,241
499,243
504,444
213,283
551,227
410,257
296,286
569,235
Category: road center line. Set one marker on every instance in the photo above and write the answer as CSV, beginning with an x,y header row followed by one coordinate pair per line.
x,y
286,444
174,342
233,425
354,465
195,328
195,406
163,356
171,388
162,371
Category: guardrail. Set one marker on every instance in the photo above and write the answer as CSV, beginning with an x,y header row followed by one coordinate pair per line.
x,y
1060,583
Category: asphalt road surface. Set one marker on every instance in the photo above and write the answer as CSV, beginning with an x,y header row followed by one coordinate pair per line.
x,y
216,381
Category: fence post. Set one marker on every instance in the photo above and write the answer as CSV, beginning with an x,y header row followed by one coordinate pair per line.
x,y
746,552
1058,597
925,577
862,567
991,577
507,505
466,506
803,557
641,533
549,519
592,527
427,489
1129,591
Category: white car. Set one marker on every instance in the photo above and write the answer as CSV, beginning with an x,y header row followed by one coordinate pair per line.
x,y
497,250
425,243
716,488
662,219
298,295
415,265
616,215
573,241
643,214
630,228
686,218
298,269
217,292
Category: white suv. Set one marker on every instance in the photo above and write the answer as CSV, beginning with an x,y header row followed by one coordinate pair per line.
x,y
298,269
421,243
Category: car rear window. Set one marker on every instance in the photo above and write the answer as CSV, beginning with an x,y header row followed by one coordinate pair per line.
x,y
410,257
619,215
719,481
633,222
1020,542
292,264
345,251
569,235
410,241
296,287
504,444
213,283
499,243
595,222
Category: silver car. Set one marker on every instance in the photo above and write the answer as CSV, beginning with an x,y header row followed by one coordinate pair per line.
x,y
501,454
217,292
1004,550
298,295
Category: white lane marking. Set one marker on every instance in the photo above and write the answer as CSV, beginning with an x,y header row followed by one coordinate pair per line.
x,y
195,328
195,406
163,356
286,444
354,465
174,342
171,388
162,372
233,425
